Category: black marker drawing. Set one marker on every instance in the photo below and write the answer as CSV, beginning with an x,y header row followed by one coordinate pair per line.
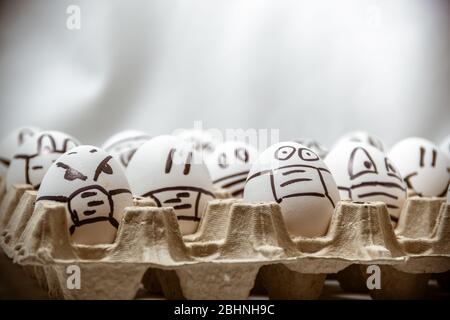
x,y
126,148
34,164
89,200
180,198
288,175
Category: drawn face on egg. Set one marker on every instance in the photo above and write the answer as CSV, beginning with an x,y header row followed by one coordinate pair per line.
x,y
320,150
123,145
202,141
445,148
364,173
422,165
9,145
94,187
294,176
362,137
230,164
36,155
170,171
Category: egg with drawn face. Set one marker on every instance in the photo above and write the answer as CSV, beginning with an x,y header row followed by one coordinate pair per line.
x,y
33,158
315,146
293,176
202,141
445,148
230,164
422,165
364,173
10,143
172,173
95,190
123,145
362,137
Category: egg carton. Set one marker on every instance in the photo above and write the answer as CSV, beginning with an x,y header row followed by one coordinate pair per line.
x,y
237,246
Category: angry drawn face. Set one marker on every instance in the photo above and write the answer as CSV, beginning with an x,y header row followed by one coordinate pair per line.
x,y
11,143
364,173
422,165
294,176
123,145
94,187
36,155
230,164
171,172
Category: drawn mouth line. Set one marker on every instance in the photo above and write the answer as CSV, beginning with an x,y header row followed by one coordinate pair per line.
x,y
231,176
294,181
378,183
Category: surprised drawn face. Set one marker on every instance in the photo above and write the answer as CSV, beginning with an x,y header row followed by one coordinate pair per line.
x,y
36,155
294,176
364,173
230,164
422,165
172,173
95,190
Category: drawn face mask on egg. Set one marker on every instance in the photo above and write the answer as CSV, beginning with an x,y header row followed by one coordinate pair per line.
x,y
423,166
34,157
294,177
230,164
170,172
94,187
364,173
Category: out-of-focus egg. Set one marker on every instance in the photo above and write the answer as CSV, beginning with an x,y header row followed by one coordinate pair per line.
x,y
363,137
445,147
448,195
294,176
10,143
203,141
422,165
364,173
172,173
95,190
33,158
230,164
315,146
123,145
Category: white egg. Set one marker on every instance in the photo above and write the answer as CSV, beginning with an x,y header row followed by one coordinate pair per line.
x,y
422,165
448,195
171,172
364,173
445,147
363,137
230,164
33,158
95,190
203,141
10,143
123,145
312,144
294,176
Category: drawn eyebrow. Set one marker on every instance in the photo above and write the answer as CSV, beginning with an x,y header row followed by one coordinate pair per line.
x,y
71,174
6,162
37,167
93,151
103,167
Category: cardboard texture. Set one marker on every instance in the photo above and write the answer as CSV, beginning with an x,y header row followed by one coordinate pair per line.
x,y
235,244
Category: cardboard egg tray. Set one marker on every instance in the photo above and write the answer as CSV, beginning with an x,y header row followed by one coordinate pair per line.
x,y
237,247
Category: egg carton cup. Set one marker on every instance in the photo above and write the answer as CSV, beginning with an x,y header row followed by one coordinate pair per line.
x,y
236,243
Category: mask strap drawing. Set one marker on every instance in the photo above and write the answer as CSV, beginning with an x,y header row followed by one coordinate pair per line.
x,y
87,192
177,201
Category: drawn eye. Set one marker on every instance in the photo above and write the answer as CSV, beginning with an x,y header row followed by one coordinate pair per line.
x,y
307,155
71,174
103,167
241,154
360,163
37,167
222,160
284,153
389,167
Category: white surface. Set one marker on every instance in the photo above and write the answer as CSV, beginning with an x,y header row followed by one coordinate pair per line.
x,y
312,68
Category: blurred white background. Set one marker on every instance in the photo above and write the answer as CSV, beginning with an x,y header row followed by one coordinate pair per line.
x,y
311,68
